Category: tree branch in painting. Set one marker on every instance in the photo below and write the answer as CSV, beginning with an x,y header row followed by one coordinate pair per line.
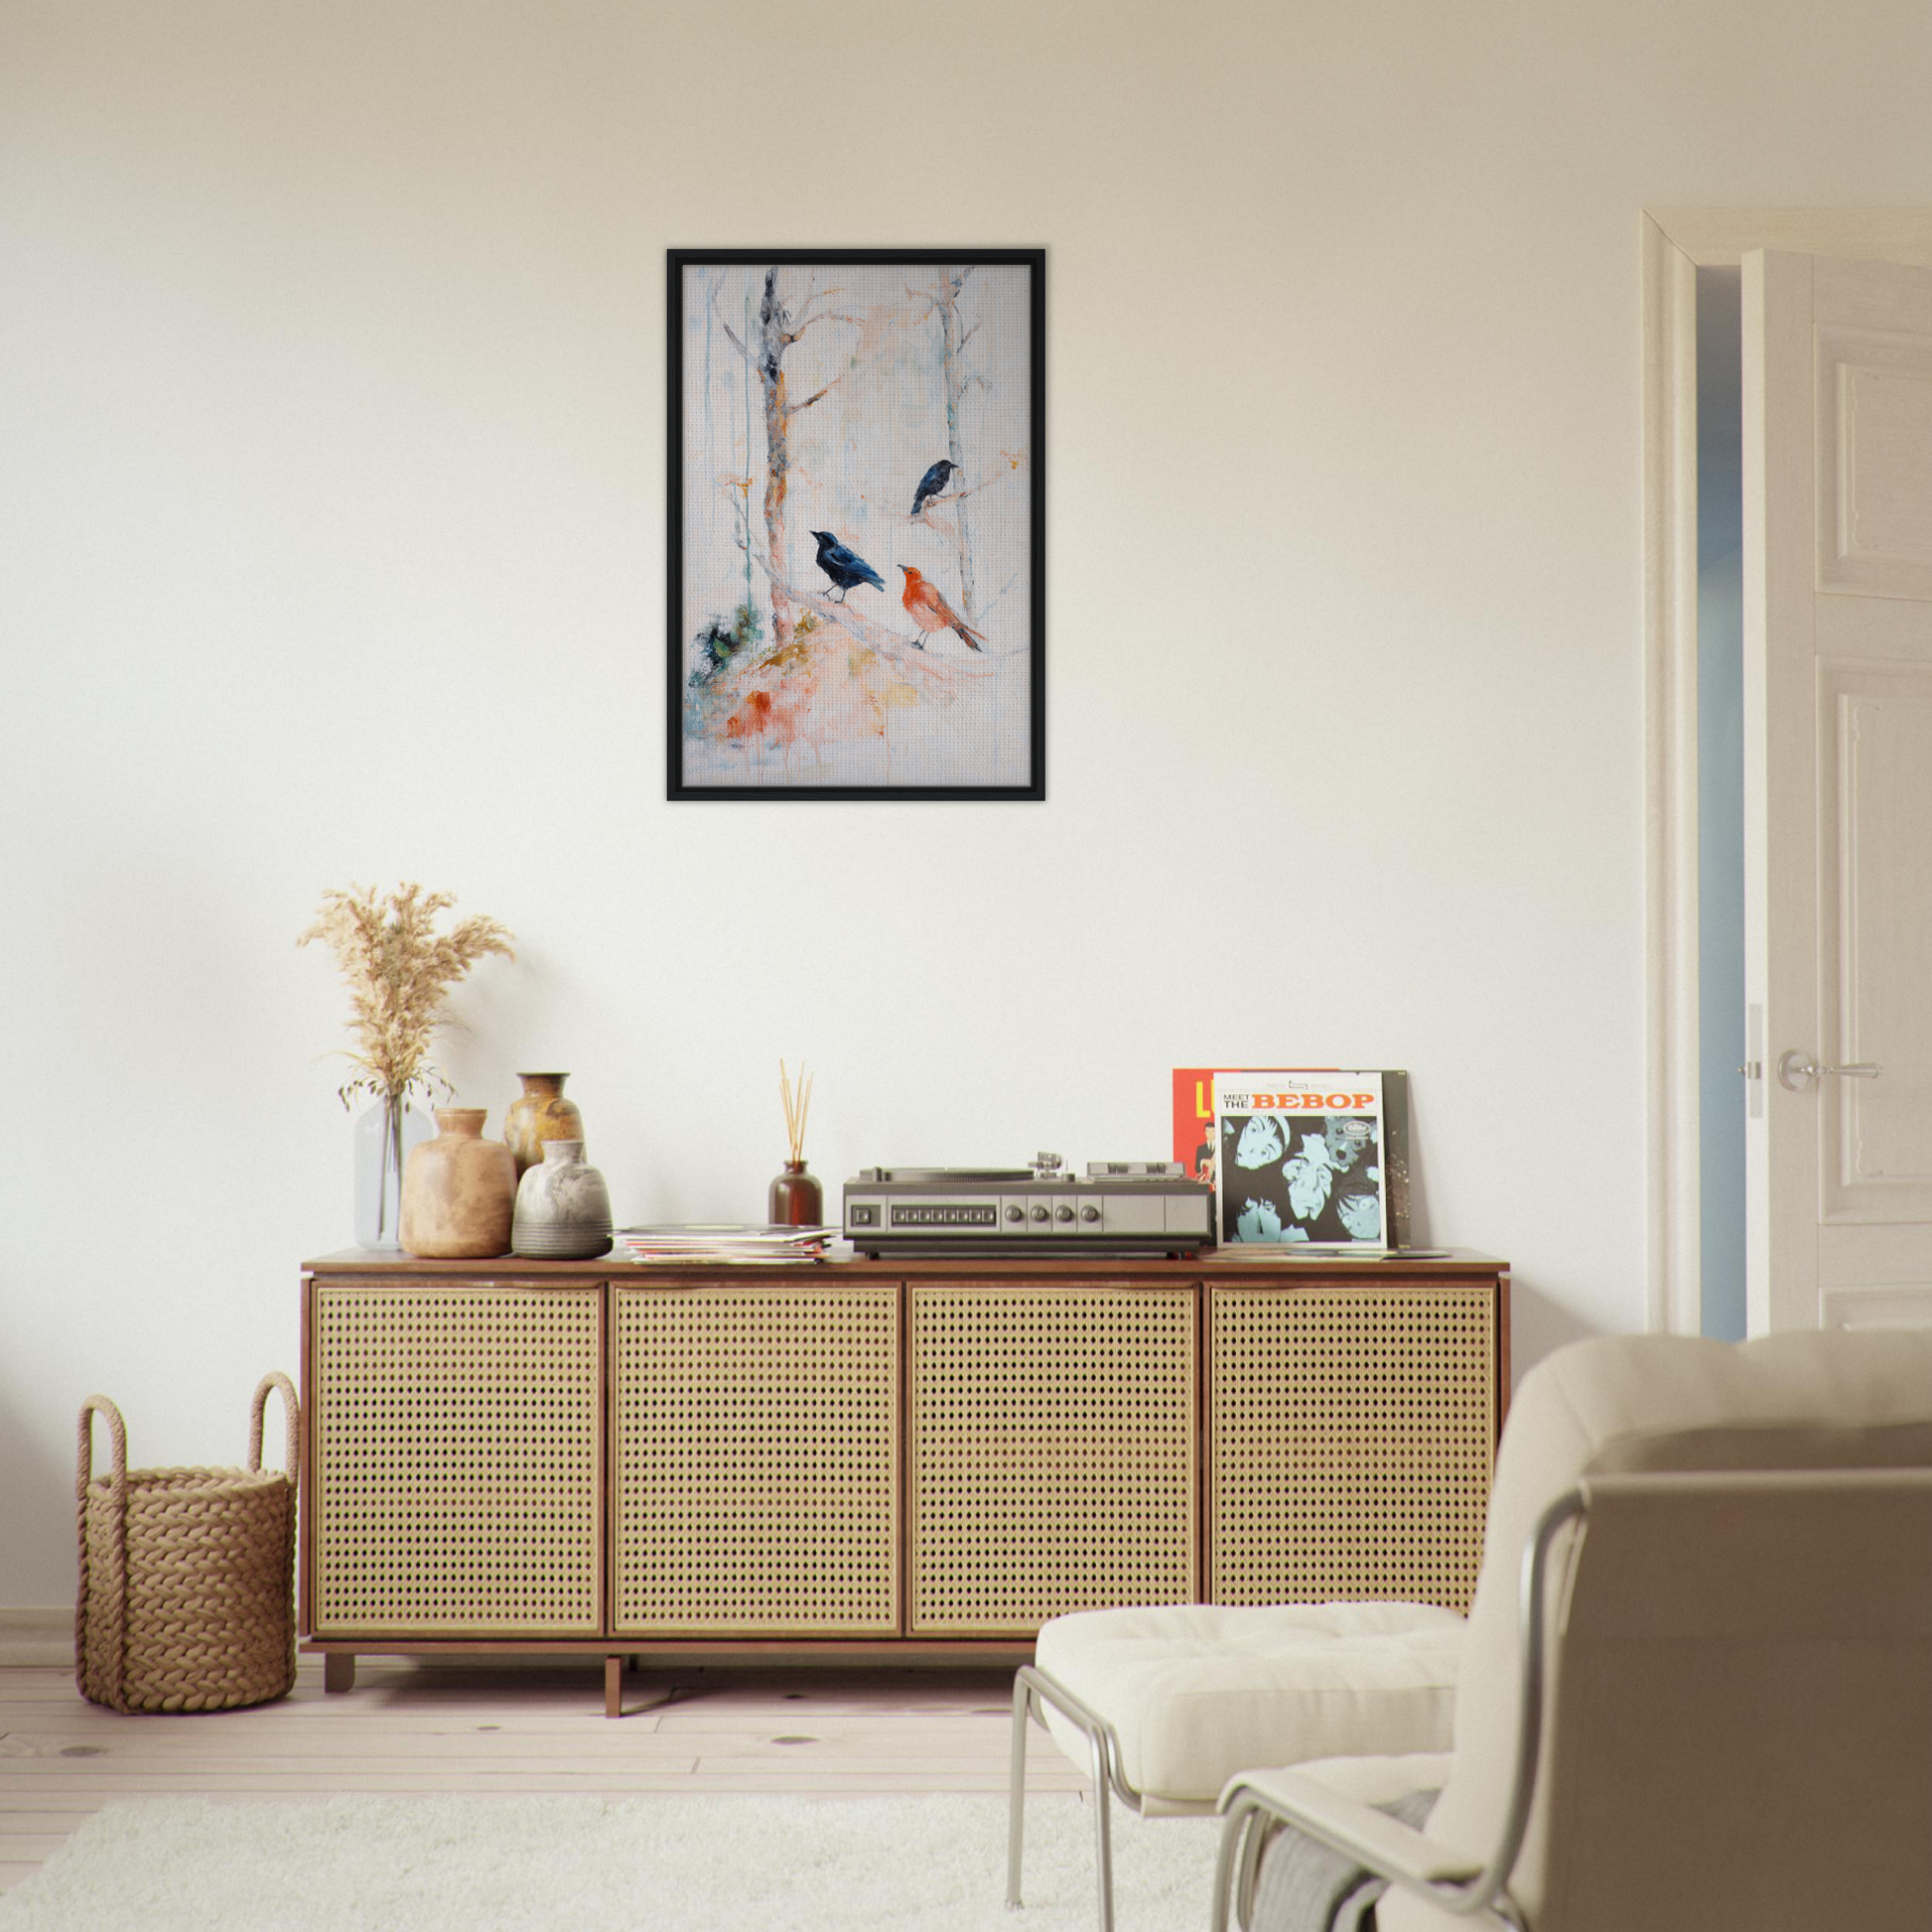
x,y
958,495
792,408
997,595
825,315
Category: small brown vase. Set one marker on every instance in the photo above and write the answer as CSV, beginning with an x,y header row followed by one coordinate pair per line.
x,y
459,1191
796,1200
540,1114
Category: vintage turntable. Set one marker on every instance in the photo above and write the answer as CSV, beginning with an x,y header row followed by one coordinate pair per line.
x,y
1125,1207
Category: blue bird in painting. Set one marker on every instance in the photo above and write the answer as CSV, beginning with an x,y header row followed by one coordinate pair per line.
x,y
932,482
846,568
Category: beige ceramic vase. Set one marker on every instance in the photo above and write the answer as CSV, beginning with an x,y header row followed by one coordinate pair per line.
x,y
459,1191
540,1114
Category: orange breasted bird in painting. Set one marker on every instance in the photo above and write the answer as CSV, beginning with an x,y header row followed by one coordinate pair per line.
x,y
931,611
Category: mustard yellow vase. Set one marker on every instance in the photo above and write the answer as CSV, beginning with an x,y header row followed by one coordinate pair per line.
x,y
540,1114
459,1191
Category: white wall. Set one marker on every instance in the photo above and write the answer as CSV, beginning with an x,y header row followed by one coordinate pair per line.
x,y
331,450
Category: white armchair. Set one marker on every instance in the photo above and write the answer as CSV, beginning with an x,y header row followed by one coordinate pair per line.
x,y
1697,1684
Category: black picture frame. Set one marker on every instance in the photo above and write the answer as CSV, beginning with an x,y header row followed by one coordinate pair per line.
x,y
694,659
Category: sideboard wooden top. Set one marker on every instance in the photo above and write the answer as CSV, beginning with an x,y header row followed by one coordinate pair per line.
x,y
1220,1265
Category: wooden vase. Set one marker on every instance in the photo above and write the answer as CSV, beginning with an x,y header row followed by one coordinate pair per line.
x,y
540,1113
459,1191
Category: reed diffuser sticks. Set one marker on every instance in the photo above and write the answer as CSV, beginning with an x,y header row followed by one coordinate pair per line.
x,y
798,1104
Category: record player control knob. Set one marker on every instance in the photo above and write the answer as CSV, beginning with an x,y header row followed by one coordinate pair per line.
x,y
1039,1214
1016,1212
1090,1213
1047,1163
1063,1213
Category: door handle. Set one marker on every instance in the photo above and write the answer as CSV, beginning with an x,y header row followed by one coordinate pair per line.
x,y
1797,1070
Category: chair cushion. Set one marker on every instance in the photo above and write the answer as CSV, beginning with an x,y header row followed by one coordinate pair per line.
x,y
1378,1780
1197,1692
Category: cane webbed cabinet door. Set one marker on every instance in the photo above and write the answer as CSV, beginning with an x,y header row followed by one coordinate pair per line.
x,y
756,1457
457,1459
1351,1437
1053,1440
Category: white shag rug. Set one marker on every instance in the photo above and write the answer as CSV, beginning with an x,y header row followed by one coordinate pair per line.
x,y
756,1863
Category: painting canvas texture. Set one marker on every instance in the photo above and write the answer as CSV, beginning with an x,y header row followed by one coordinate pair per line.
x,y
854,599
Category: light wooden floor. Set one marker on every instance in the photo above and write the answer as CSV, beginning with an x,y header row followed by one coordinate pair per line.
x,y
509,1729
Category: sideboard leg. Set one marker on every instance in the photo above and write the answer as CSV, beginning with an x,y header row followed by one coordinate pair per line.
x,y
613,1686
339,1670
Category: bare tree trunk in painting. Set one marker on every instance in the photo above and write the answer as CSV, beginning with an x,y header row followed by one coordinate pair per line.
x,y
773,340
775,334
952,280
745,495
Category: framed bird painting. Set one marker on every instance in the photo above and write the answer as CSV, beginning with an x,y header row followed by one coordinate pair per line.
x,y
857,523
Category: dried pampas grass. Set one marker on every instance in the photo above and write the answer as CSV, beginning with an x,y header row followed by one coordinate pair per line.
x,y
398,969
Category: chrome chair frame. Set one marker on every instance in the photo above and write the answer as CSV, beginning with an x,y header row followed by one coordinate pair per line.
x,y
1032,1689
1253,1815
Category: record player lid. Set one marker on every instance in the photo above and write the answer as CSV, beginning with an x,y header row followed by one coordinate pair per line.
x,y
937,1175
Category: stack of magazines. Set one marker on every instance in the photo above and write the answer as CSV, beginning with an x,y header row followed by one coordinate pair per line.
x,y
698,1241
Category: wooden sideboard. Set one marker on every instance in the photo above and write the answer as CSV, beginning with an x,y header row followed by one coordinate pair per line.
x,y
879,1460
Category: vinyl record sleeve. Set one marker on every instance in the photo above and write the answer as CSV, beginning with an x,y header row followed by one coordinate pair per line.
x,y
1196,1148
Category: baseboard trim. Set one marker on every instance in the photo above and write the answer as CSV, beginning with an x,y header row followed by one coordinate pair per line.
x,y
39,1635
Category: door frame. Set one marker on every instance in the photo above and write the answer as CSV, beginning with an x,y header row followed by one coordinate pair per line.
x,y
1675,243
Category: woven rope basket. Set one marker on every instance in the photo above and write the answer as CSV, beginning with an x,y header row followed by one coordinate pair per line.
x,y
186,1576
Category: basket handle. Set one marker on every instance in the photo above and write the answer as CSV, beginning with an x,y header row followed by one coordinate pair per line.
x,y
117,1432
292,1411
112,1640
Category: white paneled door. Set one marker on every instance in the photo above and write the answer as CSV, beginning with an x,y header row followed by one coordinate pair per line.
x,y
1838,776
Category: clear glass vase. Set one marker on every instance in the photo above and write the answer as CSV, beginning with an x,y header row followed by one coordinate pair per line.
x,y
385,1135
